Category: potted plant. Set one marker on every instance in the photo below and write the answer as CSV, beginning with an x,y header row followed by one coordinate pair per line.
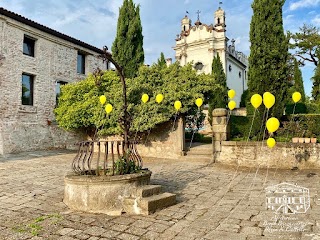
x,y
295,139
307,140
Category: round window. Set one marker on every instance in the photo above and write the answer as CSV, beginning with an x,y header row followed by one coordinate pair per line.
x,y
198,66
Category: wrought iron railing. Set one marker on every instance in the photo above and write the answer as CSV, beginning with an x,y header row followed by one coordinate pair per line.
x,y
100,157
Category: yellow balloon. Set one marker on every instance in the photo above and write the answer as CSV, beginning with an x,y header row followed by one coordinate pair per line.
x,y
108,108
159,98
296,96
231,93
145,98
232,104
273,124
256,100
268,99
102,99
177,105
271,142
199,102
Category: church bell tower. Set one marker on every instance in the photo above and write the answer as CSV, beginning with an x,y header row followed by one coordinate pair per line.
x,y
185,24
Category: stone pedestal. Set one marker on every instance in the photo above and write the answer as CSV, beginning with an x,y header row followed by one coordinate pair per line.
x,y
220,128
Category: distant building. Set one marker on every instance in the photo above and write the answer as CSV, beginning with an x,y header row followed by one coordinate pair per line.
x,y
34,62
200,43
287,198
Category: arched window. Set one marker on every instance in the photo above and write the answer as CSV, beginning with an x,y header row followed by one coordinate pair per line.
x,y
239,74
218,20
184,28
230,68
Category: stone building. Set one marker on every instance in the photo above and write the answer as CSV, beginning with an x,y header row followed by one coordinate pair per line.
x,y
200,43
34,62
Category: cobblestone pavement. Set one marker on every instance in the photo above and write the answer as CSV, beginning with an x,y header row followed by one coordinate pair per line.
x,y
210,204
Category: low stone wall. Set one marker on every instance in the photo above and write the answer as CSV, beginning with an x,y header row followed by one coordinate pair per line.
x,y
283,155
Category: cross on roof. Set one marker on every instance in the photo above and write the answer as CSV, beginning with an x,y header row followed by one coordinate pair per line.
x,y
198,12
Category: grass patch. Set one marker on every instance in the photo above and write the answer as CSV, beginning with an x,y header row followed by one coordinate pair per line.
x,y
35,226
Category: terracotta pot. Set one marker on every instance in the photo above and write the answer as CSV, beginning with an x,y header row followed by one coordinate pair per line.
x,y
307,140
301,140
313,140
295,140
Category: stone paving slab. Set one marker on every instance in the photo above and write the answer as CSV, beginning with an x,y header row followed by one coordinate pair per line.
x,y
214,202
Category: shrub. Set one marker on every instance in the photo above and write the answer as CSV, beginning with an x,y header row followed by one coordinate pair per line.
x,y
245,98
300,108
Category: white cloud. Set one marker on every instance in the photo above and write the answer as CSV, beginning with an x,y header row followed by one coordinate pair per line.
x,y
303,4
316,20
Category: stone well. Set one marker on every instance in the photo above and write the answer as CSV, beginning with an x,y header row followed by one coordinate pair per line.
x,y
102,194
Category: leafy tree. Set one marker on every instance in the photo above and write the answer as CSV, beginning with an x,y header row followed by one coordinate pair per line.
x,y
127,48
162,61
316,85
268,52
306,42
220,97
79,108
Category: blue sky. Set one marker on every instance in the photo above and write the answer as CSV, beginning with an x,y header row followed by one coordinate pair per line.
x,y
95,21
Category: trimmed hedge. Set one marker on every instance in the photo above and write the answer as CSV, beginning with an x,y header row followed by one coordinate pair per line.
x,y
298,125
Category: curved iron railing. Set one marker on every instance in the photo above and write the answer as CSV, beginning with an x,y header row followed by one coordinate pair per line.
x,y
103,160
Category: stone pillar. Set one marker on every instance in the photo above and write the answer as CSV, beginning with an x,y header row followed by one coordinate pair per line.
x,y
181,122
220,128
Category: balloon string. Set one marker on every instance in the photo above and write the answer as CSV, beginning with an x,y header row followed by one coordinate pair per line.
x,y
174,122
254,114
263,119
100,116
265,127
228,116
197,116
292,119
248,190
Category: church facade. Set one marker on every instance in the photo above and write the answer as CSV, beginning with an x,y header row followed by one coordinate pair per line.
x,y
200,43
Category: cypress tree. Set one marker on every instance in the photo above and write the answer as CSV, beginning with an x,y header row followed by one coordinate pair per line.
x,y
316,84
162,61
298,81
127,48
220,97
268,52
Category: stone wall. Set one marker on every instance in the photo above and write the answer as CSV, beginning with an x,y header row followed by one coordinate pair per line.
x,y
165,141
283,155
32,136
26,127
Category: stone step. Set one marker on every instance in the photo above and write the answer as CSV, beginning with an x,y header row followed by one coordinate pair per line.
x,y
148,205
197,158
156,202
148,190
199,152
